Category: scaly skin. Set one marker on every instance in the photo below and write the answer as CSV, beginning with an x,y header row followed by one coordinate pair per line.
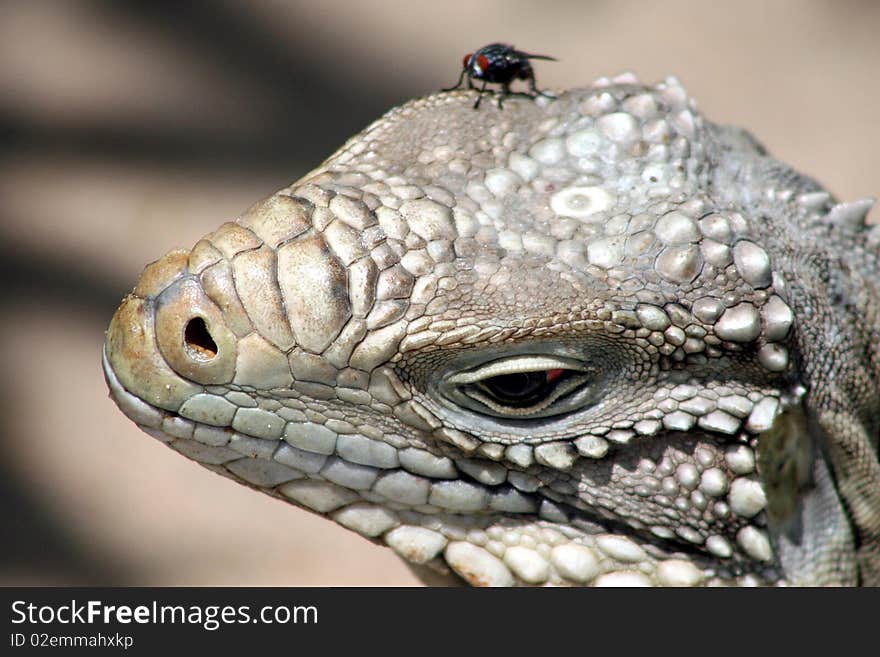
x,y
595,340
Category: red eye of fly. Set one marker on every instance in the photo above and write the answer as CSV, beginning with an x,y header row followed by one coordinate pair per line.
x,y
467,60
483,63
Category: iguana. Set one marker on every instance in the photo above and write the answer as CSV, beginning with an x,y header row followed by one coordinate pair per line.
x,y
590,340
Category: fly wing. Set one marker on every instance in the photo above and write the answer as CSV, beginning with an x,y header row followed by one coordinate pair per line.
x,y
530,56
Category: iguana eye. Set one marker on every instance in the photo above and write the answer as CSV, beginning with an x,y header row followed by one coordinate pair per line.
x,y
522,386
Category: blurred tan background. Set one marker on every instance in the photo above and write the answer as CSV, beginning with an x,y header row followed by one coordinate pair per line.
x,y
130,128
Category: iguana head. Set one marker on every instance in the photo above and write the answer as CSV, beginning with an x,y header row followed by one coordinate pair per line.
x,y
554,343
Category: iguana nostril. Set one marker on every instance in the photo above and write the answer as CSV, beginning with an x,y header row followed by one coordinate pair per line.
x,y
197,340
192,334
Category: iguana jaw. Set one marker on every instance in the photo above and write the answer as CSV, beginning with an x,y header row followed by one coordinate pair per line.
x,y
551,533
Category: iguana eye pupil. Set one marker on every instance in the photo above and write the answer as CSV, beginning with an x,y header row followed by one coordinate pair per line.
x,y
519,388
